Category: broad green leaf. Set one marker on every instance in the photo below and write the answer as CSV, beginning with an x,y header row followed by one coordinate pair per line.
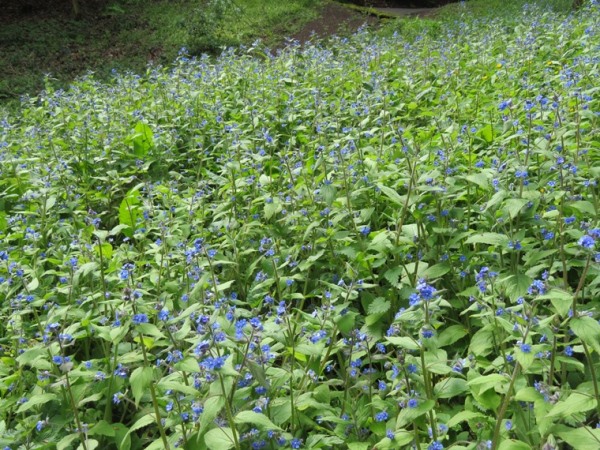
x,y
36,400
487,133
379,306
142,140
219,438
525,359
485,382
403,342
358,445
212,408
90,444
102,428
122,438
480,180
463,416
582,438
482,342
393,275
437,270
142,422
489,239
106,249
513,206
256,419
511,444
561,300
575,403
65,443
129,212
408,415
450,387
188,364
271,209
450,335
586,329
392,194
139,381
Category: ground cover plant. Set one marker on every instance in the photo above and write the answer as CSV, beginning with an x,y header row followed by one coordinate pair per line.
x,y
386,242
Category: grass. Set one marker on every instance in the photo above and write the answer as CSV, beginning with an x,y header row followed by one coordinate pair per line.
x,y
126,34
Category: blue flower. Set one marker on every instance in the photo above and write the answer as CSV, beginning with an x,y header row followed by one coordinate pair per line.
x,y
382,416
296,443
211,363
587,242
413,403
139,319
437,445
526,348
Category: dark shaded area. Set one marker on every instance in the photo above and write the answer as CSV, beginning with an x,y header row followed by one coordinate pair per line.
x,y
401,3
19,9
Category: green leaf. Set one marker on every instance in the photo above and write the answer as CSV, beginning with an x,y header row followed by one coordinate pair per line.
x,y
489,239
219,438
142,140
142,422
129,212
358,445
480,180
139,381
575,403
65,443
403,342
586,329
257,419
122,437
585,207
450,387
561,300
258,372
485,382
408,415
392,194
271,209
393,275
106,249
90,444
463,416
437,270
487,133
379,306
450,335
514,206
582,438
329,193
188,364
36,400
482,342
511,444
525,359
102,428
212,408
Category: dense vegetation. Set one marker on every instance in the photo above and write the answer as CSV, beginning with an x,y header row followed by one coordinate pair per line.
x,y
386,242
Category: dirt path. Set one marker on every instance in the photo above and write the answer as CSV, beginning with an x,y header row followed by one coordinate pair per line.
x,y
335,19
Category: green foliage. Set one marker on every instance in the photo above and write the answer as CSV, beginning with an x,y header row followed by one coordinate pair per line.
x,y
381,242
